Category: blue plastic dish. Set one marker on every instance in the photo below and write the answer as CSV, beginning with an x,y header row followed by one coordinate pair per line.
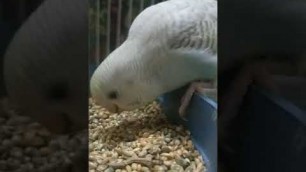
x,y
202,123
275,134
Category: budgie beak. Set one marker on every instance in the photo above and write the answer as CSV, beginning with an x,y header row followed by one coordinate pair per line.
x,y
113,108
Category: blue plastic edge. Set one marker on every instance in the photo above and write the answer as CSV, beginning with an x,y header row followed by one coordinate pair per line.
x,y
211,163
208,149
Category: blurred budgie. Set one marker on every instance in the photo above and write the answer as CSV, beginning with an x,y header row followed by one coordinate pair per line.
x,y
169,45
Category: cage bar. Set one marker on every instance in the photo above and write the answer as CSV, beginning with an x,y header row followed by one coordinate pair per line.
x,y
119,19
108,27
130,12
97,37
141,6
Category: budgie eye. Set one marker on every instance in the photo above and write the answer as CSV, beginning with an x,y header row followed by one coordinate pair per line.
x,y
113,95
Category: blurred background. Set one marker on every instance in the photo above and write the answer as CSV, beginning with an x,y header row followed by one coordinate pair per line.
x,y
26,144
12,14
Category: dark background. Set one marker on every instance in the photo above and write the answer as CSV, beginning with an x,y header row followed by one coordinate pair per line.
x,y
261,136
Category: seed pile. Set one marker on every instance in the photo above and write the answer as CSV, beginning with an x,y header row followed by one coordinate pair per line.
x,y
141,140
27,146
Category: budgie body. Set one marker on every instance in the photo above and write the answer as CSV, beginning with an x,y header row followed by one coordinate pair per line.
x,y
169,45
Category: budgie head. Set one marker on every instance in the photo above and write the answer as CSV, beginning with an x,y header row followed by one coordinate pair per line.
x,y
122,82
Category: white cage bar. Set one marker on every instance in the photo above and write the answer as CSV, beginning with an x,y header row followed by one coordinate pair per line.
x,y
132,5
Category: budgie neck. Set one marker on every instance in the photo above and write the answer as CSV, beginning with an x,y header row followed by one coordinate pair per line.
x,y
182,69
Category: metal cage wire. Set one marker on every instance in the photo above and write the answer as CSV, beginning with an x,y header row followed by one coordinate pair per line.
x,y
118,19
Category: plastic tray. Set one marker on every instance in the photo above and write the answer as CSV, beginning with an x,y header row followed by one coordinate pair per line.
x,y
202,123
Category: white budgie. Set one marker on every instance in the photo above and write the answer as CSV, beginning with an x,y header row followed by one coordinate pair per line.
x,y
169,45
